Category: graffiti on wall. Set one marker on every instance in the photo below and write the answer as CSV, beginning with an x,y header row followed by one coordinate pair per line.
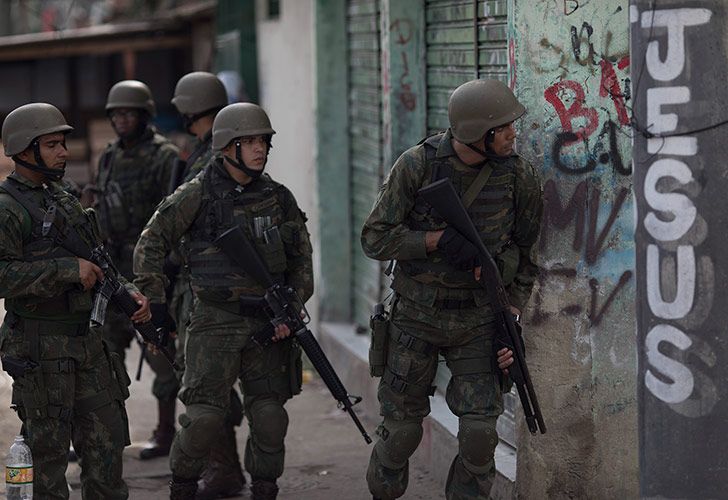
x,y
587,98
678,280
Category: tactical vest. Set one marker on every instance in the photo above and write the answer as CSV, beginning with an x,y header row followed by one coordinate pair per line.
x,y
258,209
492,212
130,188
43,243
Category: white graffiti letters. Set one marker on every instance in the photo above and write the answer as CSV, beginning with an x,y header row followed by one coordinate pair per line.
x,y
675,286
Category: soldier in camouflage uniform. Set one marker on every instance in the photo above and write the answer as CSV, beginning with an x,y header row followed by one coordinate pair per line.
x,y
198,97
231,190
68,386
132,179
438,306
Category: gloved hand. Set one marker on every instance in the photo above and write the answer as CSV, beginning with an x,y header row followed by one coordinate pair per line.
x,y
161,318
459,251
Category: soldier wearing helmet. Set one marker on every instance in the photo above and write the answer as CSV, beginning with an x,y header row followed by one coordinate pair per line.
x,y
67,386
198,97
231,190
133,174
438,306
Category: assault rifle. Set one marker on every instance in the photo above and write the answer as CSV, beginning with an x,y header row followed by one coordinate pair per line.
x,y
441,196
285,307
108,289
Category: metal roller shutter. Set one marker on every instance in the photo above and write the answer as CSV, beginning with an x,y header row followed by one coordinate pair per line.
x,y
365,136
451,47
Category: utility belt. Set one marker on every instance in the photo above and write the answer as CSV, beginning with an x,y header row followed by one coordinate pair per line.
x,y
31,327
244,307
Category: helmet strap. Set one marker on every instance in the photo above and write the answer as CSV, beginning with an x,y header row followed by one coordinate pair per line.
x,y
55,174
240,164
487,154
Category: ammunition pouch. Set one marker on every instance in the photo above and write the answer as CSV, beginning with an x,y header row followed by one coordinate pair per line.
x,y
295,368
379,323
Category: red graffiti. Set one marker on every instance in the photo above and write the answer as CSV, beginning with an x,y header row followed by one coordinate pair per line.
x,y
403,29
609,86
576,110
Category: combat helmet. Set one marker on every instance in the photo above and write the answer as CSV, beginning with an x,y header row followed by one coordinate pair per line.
x,y
131,94
25,124
198,93
239,120
478,106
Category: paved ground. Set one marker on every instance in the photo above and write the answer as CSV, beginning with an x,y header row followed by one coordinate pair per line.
x,y
326,455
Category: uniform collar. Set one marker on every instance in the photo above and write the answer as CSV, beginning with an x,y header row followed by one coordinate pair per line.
x,y
445,149
14,175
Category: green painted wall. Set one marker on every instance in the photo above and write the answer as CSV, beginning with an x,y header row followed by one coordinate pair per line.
x,y
332,153
569,64
239,15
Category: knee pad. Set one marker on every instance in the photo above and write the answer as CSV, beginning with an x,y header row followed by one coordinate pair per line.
x,y
200,426
399,441
477,438
268,425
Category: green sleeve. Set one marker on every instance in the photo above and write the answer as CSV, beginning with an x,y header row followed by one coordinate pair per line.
x,y
385,235
173,217
529,209
297,244
18,278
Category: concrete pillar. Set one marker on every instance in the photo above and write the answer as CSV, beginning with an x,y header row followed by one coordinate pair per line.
x,y
570,66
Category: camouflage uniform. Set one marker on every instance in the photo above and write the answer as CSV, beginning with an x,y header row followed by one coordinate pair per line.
x,y
441,310
218,349
77,391
132,182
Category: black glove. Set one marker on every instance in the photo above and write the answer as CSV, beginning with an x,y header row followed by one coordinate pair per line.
x,y
161,317
459,251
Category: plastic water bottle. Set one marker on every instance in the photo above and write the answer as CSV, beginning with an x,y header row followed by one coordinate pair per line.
x,y
19,471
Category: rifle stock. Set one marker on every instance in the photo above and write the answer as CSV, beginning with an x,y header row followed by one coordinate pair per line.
x,y
442,197
286,307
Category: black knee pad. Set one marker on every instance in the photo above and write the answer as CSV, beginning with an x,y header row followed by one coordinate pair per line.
x,y
478,439
399,441
200,426
268,424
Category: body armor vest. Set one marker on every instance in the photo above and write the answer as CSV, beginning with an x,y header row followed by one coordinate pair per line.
x,y
492,212
257,208
199,158
43,243
128,180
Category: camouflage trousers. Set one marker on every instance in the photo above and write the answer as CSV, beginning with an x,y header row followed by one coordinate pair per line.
x,y
417,335
119,333
180,307
219,352
75,394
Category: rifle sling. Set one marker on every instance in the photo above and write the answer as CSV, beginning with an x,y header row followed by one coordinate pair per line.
x,y
71,241
477,186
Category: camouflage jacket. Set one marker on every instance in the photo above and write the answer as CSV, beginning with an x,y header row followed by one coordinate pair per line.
x,y
179,215
39,279
388,232
132,182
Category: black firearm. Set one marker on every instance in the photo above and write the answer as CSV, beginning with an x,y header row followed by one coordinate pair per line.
x,y
108,289
285,307
441,196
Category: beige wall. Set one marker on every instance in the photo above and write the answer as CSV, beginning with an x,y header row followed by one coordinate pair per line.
x,y
286,73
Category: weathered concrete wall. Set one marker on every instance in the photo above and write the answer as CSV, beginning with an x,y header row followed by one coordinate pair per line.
x,y
570,67
679,49
286,77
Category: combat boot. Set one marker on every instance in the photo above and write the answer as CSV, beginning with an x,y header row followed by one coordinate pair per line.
x,y
223,476
161,440
182,489
264,490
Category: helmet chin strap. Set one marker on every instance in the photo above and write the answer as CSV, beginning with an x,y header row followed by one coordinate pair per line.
x,y
487,154
240,164
55,174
